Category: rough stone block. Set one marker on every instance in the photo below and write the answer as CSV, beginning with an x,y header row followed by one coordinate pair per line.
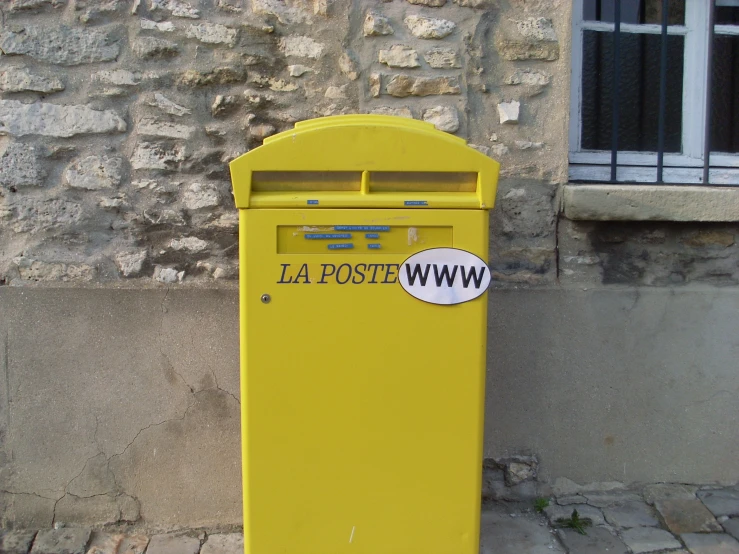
x,y
348,66
429,27
212,33
51,120
232,543
399,55
398,112
649,539
597,541
23,5
34,214
508,112
164,26
149,126
130,264
687,516
375,84
724,502
178,8
376,25
301,47
443,58
62,45
19,165
94,173
166,105
430,3
715,543
710,238
631,514
117,77
406,85
61,541
515,50
444,118
536,29
219,76
16,79
148,48
16,542
298,70
168,275
201,196
36,270
189,244
173,544
286,13
529,82
148,155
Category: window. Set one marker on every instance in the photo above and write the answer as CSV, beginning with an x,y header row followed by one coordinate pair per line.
x,y
641,67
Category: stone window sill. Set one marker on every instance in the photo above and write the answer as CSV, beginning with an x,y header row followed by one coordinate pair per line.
x,y
650,203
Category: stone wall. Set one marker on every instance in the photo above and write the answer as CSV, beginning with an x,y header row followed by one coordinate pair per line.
x,y
118,118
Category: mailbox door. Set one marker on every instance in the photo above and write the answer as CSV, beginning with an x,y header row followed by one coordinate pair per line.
x,y
362,406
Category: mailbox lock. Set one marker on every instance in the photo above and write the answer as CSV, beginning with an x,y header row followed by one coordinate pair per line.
x,y
266,298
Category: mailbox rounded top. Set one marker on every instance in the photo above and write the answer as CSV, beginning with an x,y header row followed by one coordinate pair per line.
x,y
364,161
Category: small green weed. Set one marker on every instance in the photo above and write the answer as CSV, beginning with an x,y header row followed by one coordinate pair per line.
x,y
575,522
540,504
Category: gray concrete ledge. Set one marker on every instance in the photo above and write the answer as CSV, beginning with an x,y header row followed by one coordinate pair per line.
x,y
650,203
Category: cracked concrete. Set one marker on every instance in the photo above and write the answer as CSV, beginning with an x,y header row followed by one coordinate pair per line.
x,y
167,475
116,372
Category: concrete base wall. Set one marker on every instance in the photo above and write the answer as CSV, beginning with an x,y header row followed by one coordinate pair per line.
x,y
123,405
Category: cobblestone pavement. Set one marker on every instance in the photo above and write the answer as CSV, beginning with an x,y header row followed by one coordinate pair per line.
x,y
659,519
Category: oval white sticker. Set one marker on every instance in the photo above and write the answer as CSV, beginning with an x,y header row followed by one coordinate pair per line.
x,y
444,276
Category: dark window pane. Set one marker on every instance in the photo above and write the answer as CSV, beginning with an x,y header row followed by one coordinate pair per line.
x,y
724,94
638,94
726,15
634,11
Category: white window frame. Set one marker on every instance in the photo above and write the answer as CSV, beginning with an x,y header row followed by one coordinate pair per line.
x,y
641,167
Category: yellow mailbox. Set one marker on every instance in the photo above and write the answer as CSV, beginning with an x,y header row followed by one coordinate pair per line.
x,y
363,248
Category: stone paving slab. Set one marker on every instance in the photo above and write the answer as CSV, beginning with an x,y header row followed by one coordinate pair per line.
x,y
649,539
597,541
173,544
565,512
609,498
723,502
72,540
231,543
662,491
523,534
631,514
687,515
16,542
711,543
731,526
572,499
116,543
133,544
